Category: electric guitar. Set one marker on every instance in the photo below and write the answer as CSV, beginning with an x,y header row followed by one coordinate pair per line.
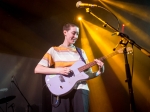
x,y
61,84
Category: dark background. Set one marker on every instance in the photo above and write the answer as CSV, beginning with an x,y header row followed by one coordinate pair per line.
x,y
29,27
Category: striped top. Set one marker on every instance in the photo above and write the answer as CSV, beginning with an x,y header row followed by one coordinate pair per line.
x,y
63,57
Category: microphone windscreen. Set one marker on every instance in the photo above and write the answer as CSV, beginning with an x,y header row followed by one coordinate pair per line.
x,y
78,4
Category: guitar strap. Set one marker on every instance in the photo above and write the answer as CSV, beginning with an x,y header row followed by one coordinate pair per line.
x,y
80,53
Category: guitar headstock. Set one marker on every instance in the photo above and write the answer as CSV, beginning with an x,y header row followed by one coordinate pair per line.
x,y
129,50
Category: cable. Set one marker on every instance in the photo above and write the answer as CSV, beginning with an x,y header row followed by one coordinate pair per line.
x,y
112,14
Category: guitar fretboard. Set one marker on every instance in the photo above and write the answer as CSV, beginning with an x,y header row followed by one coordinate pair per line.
x,y
81,69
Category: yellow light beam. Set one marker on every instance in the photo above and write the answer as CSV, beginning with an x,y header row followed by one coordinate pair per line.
x,y
141,35
97,83
140,11
100,37
85,43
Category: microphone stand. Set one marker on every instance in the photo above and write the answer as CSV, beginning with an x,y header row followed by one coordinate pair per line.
x,y
28,106
124,41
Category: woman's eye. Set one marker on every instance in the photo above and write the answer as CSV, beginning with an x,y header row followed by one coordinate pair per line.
x,y
75,33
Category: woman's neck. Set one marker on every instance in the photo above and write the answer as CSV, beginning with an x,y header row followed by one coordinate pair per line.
x,y
66,44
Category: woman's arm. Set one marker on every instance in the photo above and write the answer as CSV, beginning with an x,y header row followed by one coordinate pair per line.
x,y
39,69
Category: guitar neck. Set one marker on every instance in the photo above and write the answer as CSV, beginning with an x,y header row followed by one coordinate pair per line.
x,y
81,69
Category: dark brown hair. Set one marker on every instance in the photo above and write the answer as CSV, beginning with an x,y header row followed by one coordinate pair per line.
x,y
68,25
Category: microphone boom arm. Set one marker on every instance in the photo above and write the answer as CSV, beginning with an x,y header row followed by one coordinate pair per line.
x,y
126,37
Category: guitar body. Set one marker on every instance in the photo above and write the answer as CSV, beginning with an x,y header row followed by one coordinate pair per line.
x,y
60,84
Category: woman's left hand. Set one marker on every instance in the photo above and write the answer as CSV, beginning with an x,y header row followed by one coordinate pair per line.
x,y
100,64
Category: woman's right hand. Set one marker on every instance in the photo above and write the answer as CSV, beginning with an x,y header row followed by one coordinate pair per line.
x,y
63,71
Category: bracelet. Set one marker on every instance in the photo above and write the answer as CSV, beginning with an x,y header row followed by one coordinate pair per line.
x,y
97,73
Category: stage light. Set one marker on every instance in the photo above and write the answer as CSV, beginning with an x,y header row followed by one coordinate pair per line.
x,y
79,18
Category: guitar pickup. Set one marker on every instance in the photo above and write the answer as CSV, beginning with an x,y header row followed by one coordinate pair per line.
x,y
61,78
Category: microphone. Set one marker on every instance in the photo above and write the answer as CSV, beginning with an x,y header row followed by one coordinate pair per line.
x,y
79,4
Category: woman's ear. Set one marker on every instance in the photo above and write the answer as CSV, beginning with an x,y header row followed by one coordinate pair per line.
x,y
64,32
